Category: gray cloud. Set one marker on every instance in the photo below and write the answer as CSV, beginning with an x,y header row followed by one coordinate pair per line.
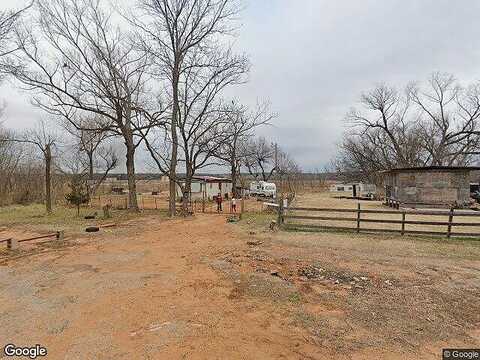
x,y
312,59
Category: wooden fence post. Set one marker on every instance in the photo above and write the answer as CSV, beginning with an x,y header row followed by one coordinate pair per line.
x,y
450,219
358,217
280,212
12,244
403,222
60,235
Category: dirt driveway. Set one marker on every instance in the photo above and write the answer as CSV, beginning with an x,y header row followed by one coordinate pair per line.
x,y
205,289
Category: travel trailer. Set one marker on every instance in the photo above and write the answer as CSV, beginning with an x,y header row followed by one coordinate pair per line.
x,y
263,188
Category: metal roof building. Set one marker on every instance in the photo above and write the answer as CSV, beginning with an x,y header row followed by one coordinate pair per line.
x,y
430,186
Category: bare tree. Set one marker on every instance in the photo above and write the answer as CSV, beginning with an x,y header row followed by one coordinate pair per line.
x,y
44,140
449,118
260,158
202,120
97,156
239,129
432,124
287,172
10,158
387,111
175,32
21,173
80,62
8,18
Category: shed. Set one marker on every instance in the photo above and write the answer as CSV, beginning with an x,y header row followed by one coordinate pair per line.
x,y
207,187
430,186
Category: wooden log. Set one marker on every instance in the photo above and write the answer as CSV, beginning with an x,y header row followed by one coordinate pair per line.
x,y
107,226
39,237
336,218
410,222
322,209
459,234
367,230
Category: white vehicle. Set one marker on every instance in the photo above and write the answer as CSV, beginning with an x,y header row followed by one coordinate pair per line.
x,y
263,188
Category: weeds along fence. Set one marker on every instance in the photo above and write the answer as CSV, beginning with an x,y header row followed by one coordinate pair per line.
x,y
120,202
156,202
448,223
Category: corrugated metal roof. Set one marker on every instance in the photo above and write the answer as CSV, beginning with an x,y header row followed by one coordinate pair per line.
x,y
433,168
212,179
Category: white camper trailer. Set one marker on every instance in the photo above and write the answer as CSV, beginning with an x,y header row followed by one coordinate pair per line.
x,y
263,188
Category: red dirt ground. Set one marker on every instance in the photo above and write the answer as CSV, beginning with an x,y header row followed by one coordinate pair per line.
x,y
194,289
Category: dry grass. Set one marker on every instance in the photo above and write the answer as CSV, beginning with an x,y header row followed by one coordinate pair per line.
x,y
365,292
36,218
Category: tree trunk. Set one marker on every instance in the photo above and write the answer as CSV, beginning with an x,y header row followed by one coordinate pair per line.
x,y
233,170
186,195
48,178
90,165
173,160
132,187
90,185
172,190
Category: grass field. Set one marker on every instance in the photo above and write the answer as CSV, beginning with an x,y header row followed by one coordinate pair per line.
x,y
35,217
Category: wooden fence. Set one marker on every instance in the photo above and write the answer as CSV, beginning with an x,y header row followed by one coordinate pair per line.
x,y
12,244
301,218
120,202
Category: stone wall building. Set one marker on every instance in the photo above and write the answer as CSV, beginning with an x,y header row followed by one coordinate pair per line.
x,y
431,186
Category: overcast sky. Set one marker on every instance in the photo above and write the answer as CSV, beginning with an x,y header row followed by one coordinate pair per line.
x,y
313,58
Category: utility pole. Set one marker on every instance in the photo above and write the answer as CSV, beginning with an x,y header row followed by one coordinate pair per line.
x,y
276,156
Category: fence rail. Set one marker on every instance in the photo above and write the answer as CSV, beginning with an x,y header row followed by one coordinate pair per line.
x,y
292,214
12,244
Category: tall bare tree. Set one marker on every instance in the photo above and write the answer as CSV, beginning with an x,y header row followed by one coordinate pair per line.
x,y
80,62
427,124
95,155
449,118
240,128
202,121
8,18
260,158
287,172
44,140
175,32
